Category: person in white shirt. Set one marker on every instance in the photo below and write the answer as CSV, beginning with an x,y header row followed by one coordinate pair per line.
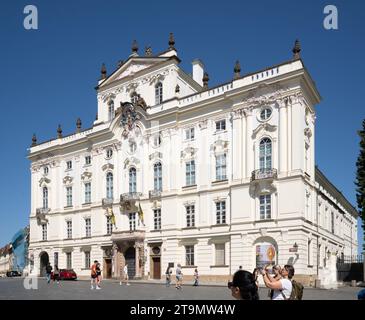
x,y
125,273
282,287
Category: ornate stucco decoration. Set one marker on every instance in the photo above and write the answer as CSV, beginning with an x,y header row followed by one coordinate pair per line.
x,y
156,204
86,176
219,146
262,187
41,217
107,166
156,155
67,180
264,127
128,118
154,78
263,232
131,87
263,96
188,153
308,132
203,124
131,161
44,181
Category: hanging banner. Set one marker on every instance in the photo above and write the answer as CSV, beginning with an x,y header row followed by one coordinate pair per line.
x,y
265,254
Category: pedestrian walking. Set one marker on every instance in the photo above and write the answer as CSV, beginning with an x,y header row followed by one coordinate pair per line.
x,y
196,278
179,276
282,287
56,274
168,276
125,274
243,286
98,276
48,272
94,275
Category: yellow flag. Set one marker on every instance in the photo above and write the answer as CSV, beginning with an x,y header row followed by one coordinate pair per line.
x,y
140,213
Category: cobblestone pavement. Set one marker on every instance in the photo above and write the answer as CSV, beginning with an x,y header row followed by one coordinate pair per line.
x,y
13,288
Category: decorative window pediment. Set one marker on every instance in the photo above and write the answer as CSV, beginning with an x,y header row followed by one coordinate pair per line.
x,y
188,153
107,166
220,146
67,180
44,181
132,161
86,175
263,128
156,155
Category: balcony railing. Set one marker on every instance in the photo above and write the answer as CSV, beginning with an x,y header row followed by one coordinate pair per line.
x,y
107,202
40,211
262,174
155,194
130,196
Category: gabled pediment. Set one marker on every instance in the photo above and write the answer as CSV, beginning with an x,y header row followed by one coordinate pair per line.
x,y
264,127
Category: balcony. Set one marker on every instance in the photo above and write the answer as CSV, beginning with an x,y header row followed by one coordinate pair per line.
x,y
155,194
130,196
264,174
107,202
41,215
132,235
42,211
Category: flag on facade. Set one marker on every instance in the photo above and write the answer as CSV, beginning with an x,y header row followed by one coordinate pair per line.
x,y
112,217
140,213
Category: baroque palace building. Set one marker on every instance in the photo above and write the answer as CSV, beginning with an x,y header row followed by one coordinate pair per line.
x,y
174,171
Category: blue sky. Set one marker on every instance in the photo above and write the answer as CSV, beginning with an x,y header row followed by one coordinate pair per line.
x,y
48,75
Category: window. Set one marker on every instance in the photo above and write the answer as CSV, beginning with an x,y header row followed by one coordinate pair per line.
x,y
87,160
45,198
220,254
190,173
44,232
111,110
69,260
158,93
157,176
45,170
265,154
220,125
134,97
332,222
109,185
109,225
265,207
109,153
132,221
69,196
55,258
265,113
157,219
221,212
190,216
88,227
189,134
87,259
221,167
189,255
69,229
88,192
69,165
157,140
132,180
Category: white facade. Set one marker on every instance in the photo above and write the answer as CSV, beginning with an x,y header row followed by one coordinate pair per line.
x,y
215,210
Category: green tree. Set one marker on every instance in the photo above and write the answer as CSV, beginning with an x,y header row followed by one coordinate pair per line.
x,y
360,178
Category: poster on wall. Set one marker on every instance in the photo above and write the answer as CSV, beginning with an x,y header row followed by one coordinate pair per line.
x,y
265,254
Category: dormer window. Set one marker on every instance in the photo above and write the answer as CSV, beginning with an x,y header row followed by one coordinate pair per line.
x,y
220,125
109,153
87,160
158,93
69,165
45,170
111,110
134,98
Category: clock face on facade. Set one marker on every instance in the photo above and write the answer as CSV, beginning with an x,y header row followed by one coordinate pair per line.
x,y
156,250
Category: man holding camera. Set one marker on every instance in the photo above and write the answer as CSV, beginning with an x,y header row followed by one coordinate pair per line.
x,y
283,287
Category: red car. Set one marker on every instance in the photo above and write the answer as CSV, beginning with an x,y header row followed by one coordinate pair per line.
x,y
66,274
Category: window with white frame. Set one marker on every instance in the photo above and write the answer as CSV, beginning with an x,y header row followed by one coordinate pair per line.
x,y
158,93
88,227
189,134
69,260
157,219
190,172
265,113
190,216
87,259
109,185
220,212
109,225
88,192
44,232
220,125
157,176
87,160
132,180
111,110
189,255
220,254
221,167
132,221
45,198
109,153
69,165
265,207
69,229
69,196
265,154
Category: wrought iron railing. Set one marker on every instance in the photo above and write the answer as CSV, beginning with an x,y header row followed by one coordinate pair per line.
x,y
107,202
261,174
40,211
130,196
155,194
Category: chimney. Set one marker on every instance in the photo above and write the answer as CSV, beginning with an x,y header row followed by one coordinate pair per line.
x,y
198,71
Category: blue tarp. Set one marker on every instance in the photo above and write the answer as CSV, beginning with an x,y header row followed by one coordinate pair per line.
x,y
20,249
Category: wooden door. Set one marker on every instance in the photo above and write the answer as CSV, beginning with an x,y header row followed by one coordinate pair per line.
x,y
156,268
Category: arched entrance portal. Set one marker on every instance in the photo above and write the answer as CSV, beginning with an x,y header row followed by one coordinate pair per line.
x,y
130,259
44,259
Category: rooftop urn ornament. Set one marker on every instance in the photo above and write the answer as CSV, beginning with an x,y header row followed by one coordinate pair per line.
x,y
177,89
34,140
59,131
134,47
171,41
296,50
237,70
148,51
205,80
103,71
78,125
